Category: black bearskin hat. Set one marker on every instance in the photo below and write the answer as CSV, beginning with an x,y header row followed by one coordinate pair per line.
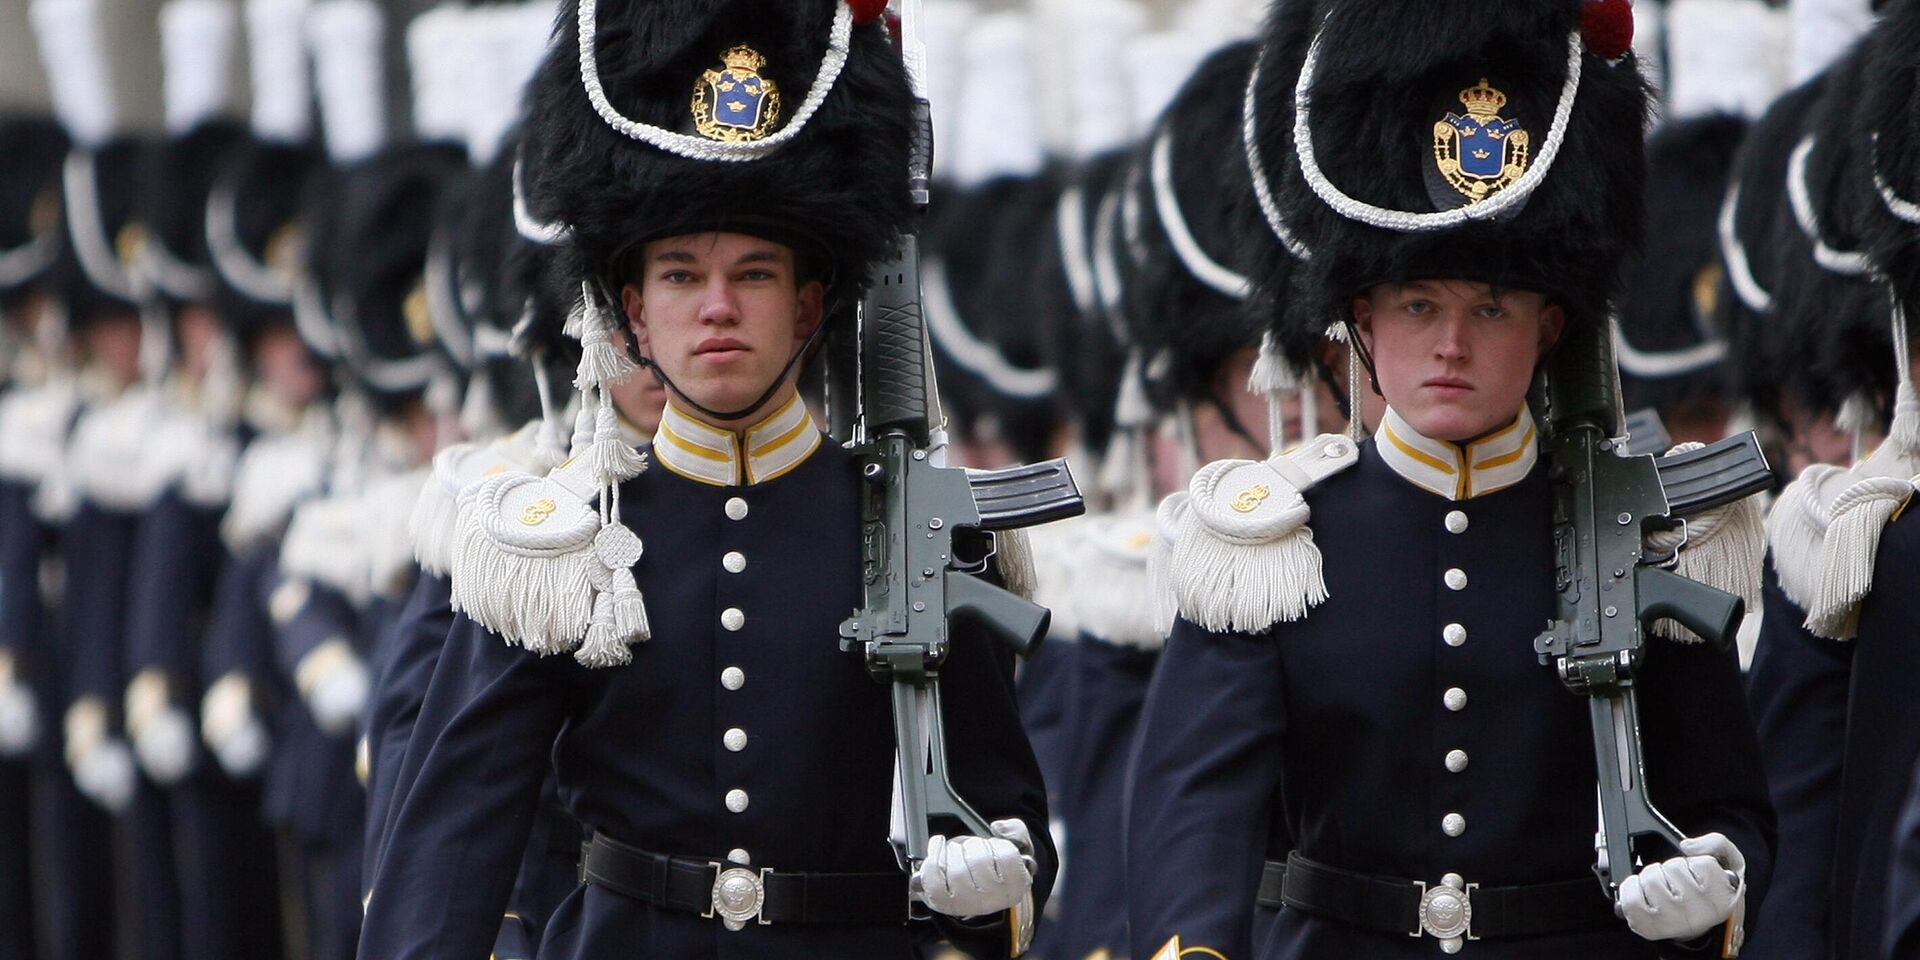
x,y
256,234
1189,298
1416,114
1670,351
104,234
31,151
1888,134
372,267
180,177
1082,340
724,75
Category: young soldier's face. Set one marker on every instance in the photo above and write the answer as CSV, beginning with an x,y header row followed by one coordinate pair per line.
x,y
1455,358
721,313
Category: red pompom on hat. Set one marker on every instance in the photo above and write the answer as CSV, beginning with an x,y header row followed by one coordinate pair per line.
x,y
867,11
1605,25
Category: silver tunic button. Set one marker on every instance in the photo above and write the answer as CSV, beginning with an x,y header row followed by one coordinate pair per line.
x,y
737,800
1456,578
734,561
1455,699
1456,761
732,618
739,856
733,678
1453,824
1453,880
736,508
735,739
1454,634
1456,521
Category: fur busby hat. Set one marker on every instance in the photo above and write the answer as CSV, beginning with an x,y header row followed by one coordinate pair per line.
x,y
1190,296
257,232
32,149
1669,351
373,267
1497,142
104,236
180,178
1888,132
1066,280
781,118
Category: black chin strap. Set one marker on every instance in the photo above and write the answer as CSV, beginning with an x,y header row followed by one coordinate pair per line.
x,y
748,410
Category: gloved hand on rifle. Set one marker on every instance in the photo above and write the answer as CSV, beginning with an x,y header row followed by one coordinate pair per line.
x,y
1683,898
977,876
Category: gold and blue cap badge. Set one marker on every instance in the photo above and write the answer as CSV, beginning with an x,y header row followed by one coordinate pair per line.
x,y
735,104
1480,146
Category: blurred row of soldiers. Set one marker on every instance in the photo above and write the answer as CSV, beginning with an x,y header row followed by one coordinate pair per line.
x,y
231,353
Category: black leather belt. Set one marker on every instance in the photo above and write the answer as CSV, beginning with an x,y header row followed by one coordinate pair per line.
x,y
1444,910
741,895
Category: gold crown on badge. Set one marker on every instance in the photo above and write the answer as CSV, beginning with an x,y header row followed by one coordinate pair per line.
x,y
1482,100
735,104
1481,153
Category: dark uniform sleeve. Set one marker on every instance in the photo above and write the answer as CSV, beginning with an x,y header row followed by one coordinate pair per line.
x,y
23,542
994,770
1902,940
459,833
1797,690
1703,761
95,548
419,635
177,556
1206,764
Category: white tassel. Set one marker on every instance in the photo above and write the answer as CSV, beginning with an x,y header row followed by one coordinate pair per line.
x,y
581,315
1847,555
434,524
1796,527
1271,371
1903,437
1723,548
611,458
600,362
1013,558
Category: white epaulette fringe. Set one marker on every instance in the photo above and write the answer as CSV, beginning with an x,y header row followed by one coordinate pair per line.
x,y
1112,594
1239,554
1724,548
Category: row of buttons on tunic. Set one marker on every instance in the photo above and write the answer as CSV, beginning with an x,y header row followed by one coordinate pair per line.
x,y
733,678
1455,699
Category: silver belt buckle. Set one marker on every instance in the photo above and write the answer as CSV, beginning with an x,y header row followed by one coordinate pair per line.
x,y
738,895
1446,912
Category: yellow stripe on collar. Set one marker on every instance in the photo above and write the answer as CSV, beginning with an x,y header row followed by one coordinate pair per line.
x,y
1492,463
699,451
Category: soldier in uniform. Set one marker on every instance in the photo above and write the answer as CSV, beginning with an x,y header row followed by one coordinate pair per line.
x,y
728,174
1365,691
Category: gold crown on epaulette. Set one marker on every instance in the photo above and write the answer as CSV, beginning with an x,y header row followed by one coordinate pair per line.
x,y
1482,100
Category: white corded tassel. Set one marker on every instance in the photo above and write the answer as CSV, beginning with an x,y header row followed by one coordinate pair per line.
x,y
611,458
619,612
1271,371
1797,525
581,315
550,443
1309,393
1013,558
1847,554
1856,416
600,362
1723,548
1903,437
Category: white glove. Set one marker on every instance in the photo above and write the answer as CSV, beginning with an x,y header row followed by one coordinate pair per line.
x,y
165,746
1682,898
242,750
19,719
228,725
335,684
977,876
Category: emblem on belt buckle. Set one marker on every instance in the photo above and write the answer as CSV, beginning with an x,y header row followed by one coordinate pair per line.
x,y
1446,912
738,895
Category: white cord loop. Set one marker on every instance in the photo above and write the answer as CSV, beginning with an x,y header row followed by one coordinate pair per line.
x,y
1173,222
700,148
1406,221
1257,169
1800,197
1896,204
1734,251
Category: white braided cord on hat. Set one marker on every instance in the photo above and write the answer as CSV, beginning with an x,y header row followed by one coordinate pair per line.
x,y
1652,364
1173,222
978,357
1845,262
21,263
1250,144
546,233
84,226
1069,224
1734,251
246,274
700,148
1406,221
1897,205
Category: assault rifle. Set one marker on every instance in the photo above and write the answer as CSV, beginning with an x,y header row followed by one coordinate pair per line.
x,y
926,528
1605,502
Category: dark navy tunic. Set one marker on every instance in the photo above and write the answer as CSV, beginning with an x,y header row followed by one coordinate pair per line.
x,y
1336,730
1841,723
640,754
